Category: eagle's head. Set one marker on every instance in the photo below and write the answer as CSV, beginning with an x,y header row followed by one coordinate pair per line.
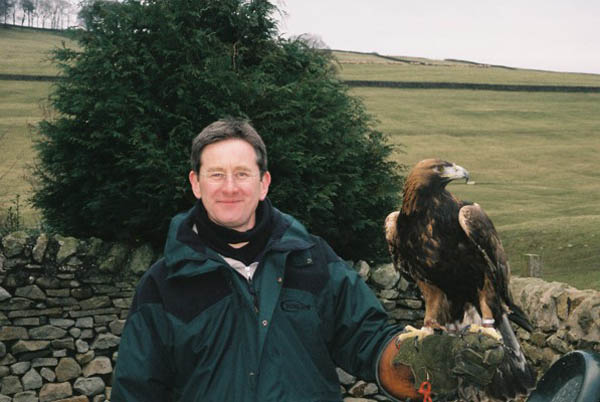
x,y
428,178
435,174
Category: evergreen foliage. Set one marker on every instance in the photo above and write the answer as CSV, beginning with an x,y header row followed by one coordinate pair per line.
x,y
150,75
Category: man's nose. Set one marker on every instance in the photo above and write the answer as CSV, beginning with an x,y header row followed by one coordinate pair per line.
x,y
230,184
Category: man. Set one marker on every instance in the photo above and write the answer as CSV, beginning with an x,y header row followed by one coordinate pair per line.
x,y
246,305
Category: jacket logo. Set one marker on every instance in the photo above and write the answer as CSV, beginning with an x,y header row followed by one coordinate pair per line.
x,y
293,305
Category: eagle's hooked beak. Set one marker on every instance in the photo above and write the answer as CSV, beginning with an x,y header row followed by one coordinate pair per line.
x,y
455,172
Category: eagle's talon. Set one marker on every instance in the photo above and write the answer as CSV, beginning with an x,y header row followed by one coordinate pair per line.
x,y
492,332
412,332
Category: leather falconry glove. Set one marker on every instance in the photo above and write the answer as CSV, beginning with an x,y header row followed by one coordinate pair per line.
x,y
445,361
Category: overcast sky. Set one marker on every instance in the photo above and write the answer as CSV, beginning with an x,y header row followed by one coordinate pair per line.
x,y
556,35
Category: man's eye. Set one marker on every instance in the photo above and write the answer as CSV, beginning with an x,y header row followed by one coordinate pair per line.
x,y
216,176
242,175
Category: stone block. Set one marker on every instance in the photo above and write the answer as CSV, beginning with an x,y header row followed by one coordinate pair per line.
x,y
67,369
20,368
10,385
47,282
89,386
27,322
344,377
75,332
79,398
4,295
7,360
363,269
32,292
106,341
85,322
13,333
47,374
385,276
59,353
29,346
25,396
44,362
100,365
141,259
47,312
14,243
62,322
82,346
32,380
116,327
104,319
82,293
115,258
53,392
16,303
67,247
41,244
64,343
63,292
85,358
47,332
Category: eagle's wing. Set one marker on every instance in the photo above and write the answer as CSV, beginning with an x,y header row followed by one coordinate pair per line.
x,y
480,230
516,374
391,236
391,230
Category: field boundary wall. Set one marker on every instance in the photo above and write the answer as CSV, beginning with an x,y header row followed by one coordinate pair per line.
x,y
64,302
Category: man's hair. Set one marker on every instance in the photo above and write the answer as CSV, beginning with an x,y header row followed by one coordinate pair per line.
x,y
225,129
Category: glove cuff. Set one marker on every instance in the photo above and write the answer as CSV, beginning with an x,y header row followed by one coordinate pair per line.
x,y
395,380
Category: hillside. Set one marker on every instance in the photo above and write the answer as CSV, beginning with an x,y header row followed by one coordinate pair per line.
x,y
532,156
27,51
361,66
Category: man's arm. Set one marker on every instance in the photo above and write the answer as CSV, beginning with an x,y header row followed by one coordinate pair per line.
x,y
143,370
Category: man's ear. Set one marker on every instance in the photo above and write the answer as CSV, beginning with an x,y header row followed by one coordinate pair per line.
x,y
195,183
265,182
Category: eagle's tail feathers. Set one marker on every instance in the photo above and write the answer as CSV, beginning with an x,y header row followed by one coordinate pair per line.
x,y
519,317
515,375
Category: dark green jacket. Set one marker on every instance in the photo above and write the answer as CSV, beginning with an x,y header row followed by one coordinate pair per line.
x,y
199,331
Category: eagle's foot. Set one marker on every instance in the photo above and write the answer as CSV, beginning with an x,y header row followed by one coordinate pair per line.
x,y
412,332
489,331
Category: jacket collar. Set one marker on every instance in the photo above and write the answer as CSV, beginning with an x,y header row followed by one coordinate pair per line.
x,y
185,255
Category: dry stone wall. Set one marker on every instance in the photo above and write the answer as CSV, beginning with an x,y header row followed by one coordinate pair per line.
x,y
64,302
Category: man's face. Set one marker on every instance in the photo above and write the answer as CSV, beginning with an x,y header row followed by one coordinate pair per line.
x,y
229,183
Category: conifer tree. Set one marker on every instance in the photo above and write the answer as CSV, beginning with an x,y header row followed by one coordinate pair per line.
x,y
149,75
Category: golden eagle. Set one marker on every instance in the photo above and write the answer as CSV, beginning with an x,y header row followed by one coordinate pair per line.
x,y
452,251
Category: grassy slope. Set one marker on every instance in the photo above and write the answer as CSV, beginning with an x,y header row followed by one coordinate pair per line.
x,y
533,156
22,51
20,107
369,67
27,51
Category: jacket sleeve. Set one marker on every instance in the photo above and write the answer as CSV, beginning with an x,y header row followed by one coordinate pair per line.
x,y
361,328
143,370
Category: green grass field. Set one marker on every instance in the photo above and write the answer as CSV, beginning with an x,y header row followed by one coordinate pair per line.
x,y
369,67
533,156
21,105
27,51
